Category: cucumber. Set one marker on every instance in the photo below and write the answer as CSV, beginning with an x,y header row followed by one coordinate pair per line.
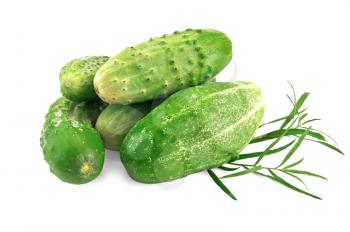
x,y
195,129
71,146
163,65
116,120
76,78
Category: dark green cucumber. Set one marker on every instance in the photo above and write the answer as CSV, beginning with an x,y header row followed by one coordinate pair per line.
x,y
71,146
116,120
193,130
163,65
76,78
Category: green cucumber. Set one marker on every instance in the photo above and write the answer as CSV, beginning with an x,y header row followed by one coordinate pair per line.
x,y
76,78
116,120
163,65
195,129
71,146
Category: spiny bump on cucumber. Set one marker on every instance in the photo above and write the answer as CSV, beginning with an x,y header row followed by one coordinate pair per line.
x,y
151,63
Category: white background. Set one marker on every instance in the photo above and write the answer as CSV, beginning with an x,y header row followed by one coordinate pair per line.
x,y
305,42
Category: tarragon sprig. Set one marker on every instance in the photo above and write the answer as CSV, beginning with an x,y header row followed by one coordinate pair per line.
x,y
297,126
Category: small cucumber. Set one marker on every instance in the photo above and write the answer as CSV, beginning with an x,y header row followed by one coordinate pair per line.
x,y
163,65
76,78
195,129
71,146
116,120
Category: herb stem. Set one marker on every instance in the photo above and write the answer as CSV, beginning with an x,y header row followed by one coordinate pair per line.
x,y
250,165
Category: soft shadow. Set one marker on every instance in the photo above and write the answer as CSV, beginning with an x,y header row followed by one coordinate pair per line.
x,y
112,155
171,185
113,167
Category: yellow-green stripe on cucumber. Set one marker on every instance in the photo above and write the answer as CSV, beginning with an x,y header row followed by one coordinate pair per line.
x,y
195,129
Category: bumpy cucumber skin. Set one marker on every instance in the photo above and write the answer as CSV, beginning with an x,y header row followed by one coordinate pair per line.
x,y
71,146
163,65
76,78
193,130
116,120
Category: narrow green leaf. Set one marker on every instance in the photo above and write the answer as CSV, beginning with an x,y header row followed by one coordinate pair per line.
x,y
262,155
294,164
244,172
296,108
294,148
273,121
301,118
331,146
280,119
323,133
301,100
267,150
305,173
278,179
303,110
327,145
290,99
285,183
293,90
256,154
227,168
295,177
311,120
292,131
220,184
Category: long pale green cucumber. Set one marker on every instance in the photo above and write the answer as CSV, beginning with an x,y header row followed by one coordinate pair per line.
x,y
193,130
71,146
163,65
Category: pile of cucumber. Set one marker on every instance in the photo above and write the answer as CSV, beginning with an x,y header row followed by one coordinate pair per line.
x,y
109,103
